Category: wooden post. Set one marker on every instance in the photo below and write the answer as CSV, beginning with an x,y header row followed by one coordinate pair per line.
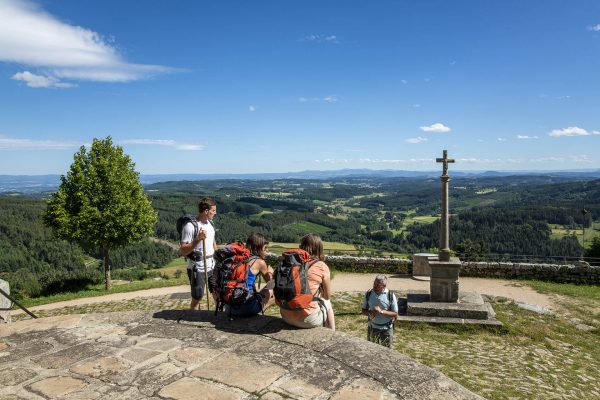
x,y
206,292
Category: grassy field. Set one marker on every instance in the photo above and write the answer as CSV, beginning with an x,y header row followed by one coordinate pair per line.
x,y
559,231
534,356
98,290
305,226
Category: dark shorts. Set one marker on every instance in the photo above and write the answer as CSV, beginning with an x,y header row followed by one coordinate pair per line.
x,y
197,284
384,337
252,307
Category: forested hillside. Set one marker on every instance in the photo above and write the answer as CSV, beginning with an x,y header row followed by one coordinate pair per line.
x,y
37,264
537,217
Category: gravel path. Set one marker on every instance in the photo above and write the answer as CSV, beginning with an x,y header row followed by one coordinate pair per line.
x,y
346,282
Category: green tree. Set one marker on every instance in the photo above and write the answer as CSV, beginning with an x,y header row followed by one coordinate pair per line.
x,y
594,251
101,204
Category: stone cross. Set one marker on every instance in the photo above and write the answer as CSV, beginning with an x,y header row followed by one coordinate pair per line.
x,y
445,160
444,252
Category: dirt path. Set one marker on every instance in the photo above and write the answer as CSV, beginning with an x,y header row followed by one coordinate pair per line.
x,y
345,282
515,290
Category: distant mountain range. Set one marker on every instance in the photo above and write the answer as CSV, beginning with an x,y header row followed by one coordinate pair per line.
x,y
31,184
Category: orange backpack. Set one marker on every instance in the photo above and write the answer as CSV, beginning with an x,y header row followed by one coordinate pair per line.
x,y
291,290
233,262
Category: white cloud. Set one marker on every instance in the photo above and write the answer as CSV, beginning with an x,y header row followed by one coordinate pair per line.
x,y
595,28
8,143
164,142
39,81
327,99
595,132
416,140
570,131
331,39
190,147
501,139
525,137
32,37
251,108
404,81
436,128
416,105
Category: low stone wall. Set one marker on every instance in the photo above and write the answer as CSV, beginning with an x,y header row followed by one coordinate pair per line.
x,y
360,264
579,273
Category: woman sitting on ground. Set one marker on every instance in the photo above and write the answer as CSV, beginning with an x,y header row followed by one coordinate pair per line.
x,y
257,302
319,312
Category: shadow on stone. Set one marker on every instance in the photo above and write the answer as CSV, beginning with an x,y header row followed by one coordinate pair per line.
x,y
261,324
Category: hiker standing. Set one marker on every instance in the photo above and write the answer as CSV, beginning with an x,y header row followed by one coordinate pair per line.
x,y
192,236
257,301
317,311
381,306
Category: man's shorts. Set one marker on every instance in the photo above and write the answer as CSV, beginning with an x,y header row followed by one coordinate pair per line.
x,y
197,283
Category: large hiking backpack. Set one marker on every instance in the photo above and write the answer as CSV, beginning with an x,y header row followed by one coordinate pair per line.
x,y
291,290
181,222
232,263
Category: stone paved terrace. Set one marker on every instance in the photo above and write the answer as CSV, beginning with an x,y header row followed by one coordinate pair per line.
x,y
174,354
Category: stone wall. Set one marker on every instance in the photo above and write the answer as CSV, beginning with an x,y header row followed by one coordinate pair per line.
x,y
360,264
580,273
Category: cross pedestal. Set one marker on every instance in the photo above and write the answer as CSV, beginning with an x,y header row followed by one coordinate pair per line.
x,y
443,286
444,270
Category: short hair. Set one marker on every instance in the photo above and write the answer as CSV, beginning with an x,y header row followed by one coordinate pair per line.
x,y
206,203
381,278
256,242
313,244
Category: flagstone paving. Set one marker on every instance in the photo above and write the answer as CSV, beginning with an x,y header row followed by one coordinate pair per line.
x,y
541,369
182,354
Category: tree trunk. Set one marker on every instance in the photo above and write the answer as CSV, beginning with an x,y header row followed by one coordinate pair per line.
x,y
107,280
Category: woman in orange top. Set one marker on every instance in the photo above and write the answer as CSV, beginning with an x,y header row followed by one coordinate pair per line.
x,y
319,312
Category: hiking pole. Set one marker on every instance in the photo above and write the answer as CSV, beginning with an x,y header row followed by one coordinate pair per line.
x,y
17,303
205,273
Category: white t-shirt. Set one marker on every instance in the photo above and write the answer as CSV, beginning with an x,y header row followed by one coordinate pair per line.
x,y
187,236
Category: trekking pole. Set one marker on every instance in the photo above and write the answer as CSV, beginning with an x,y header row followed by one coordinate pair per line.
x,y
205,273
17,303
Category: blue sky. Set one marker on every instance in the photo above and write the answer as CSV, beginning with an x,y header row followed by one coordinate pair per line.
x,y
276,86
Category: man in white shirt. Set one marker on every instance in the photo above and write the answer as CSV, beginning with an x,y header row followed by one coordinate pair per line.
x,y
190,246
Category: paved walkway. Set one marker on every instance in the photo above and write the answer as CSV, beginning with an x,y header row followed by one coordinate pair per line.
x,y
174,354
345,282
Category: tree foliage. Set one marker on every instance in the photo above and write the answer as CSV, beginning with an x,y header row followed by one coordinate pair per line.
x,y
101,204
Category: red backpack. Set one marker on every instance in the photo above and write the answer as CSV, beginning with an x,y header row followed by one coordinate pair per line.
x,y
291,290
232,263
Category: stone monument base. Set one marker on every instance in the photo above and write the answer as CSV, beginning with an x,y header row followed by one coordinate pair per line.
x,y
420,264
469,309
444,280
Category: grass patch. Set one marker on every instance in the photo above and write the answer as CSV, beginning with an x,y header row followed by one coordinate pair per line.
x,y
305,226
590,292
533,356
98,290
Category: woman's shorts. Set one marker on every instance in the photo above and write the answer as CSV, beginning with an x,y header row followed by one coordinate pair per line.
x,y
250,308
314,320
